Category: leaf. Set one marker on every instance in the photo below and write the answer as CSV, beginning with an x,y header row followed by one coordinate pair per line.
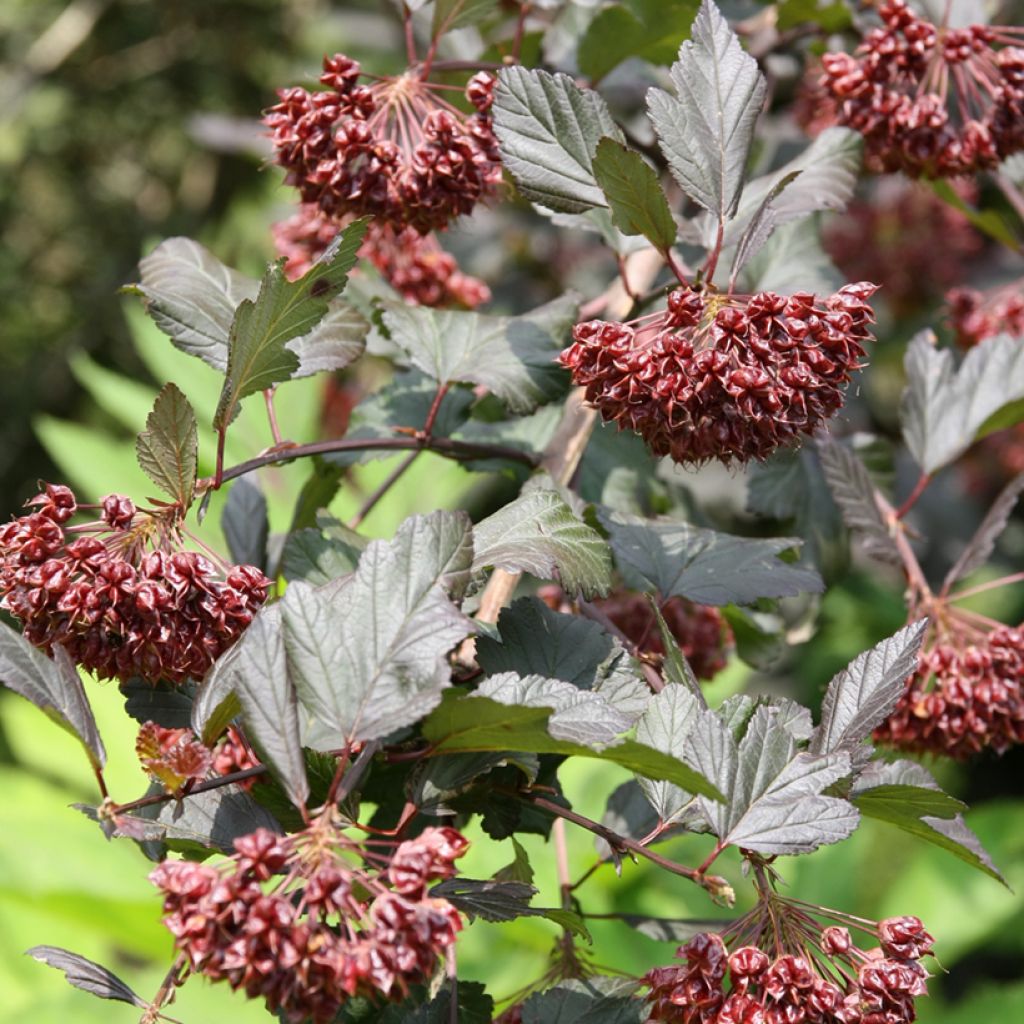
x,y
538,533
309,555
258,356
535,640
628,813
822,177
665,725
167,705
245,525
672,929
631,186
649,29
520,870
255,670
548,129
502,901
213,819
168,449
991,222
85,974
904,794
944,409
53,685
983,543
705,131
680,560
792,260
774,803
867,690
758,636
677,668
854,493
514,357
371,657
762,223
500,720
452,14
791,486
595,1000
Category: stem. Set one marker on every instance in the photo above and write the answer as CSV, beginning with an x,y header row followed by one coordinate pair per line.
x,y
922,482
355,774
100,781
167,986
712,263
442,445
435,408
911,566
203,787
517,41
591,611
465,65
1004,581
673,264
218,476
562,862
410,39
368,506
339,771
275,430
715,886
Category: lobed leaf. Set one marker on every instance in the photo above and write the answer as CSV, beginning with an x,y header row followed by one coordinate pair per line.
x,y
548,129
53,685
665,725
168,449
497,900
595,1000
983,543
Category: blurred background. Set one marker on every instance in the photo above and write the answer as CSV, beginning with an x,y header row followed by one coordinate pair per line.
x,y
126,121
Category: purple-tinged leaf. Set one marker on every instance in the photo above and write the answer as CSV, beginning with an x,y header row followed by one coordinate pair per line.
x,y
866,691
85,974
596,1000
495,900
168,449
245,525
53,685
665,725
982,544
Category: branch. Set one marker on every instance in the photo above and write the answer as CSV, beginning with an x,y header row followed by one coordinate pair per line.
x,y
203,787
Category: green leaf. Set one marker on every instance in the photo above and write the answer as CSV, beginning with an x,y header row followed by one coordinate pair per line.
x,y
631,186
945,409
258,356
548,129
650,29
499,720
904,794
452,14
758,636
53,685
830,15
990,222
245,525
665,725
774,803
867,690
168,449
680,560
256,672
539,534
983,543
370,656
596,1000
520,870
706,130
854,493
514,357
86,974
495,900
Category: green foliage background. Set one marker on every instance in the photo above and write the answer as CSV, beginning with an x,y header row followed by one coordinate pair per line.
x,y
104,150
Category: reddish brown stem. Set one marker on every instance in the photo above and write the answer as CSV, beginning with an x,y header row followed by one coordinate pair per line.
x,y
410,39
435,408
922,482
371,502
517,41
203,787
712,262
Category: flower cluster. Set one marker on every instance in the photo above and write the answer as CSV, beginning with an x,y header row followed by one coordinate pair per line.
x,y
414,265
930,101
836,983
172,756
722,376
906,239
294,921
232,755
962,699
975,315
120,595
393,150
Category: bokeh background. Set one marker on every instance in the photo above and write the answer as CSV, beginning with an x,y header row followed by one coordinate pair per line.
x,y
125,121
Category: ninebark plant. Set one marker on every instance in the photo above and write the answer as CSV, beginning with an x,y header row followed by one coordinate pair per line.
x,y
425,673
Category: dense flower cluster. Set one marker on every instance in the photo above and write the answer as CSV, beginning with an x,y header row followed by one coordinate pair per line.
x,y
906,239
414,265
292,920
120,595
172,756
930,101
393,150
975,315
724,377
962,699
837,983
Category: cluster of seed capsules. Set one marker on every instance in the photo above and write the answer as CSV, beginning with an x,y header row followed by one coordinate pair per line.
x,y
119,594
837,983
294,921
930,100
414,265
724,377
393,150
962,699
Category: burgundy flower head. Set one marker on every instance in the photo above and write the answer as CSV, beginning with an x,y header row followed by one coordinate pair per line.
x,y
929,100
393,150
724,377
